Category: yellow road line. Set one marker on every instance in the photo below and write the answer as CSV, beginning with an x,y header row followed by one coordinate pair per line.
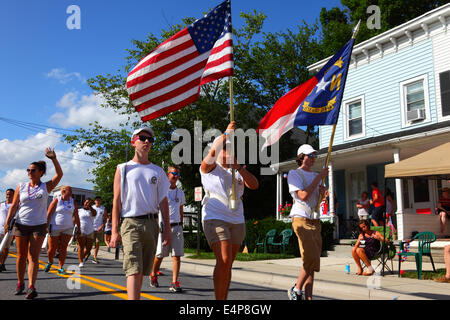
x,y
81,278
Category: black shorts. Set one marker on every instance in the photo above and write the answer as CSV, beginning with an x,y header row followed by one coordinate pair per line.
x,y
21,230
108,232
377,213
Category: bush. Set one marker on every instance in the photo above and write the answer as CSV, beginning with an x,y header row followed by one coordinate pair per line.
x,y
190,240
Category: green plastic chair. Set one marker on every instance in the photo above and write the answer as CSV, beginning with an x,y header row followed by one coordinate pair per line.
x,y
286,235
424,249
270,235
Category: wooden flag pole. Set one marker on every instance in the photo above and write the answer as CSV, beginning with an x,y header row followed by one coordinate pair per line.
x,y
327,161
233,204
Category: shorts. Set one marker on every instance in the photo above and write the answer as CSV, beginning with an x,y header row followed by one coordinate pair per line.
x,y
365,217
377,213
57,233
98,236
108,232
21,230
176,245
8,242
310,242
89,236
139,239
219,230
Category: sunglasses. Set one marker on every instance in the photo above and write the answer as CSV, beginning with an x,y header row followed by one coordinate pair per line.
x,y
143,138
175,173
31,170
311,155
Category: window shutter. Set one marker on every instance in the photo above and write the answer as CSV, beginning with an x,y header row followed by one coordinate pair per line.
x,y
444,79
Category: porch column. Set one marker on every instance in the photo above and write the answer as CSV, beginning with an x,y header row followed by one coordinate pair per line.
x,y
277,214
399,198
331,203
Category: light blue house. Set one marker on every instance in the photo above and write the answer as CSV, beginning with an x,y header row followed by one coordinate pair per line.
x,y
396,104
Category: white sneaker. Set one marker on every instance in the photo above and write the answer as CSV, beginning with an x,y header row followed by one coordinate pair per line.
x,y
81,265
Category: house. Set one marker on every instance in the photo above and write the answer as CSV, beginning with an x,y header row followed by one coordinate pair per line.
x,y
396,104
79,194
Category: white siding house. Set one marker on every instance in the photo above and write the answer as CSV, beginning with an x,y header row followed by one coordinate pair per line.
x,y
396,104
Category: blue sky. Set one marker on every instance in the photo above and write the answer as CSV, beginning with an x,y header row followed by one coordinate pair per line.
x,y
45,65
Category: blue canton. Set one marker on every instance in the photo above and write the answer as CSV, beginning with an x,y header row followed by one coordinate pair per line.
x,y
213,26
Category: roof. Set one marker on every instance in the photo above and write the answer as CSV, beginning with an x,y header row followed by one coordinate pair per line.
x,y
431,164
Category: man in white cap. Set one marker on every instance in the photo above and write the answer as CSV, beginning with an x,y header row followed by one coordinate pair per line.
x,y
304,187
140,189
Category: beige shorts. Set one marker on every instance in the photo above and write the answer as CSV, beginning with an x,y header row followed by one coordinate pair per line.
x,y
98,236
219,230
139,239
57,233
310,242
176,246
89,236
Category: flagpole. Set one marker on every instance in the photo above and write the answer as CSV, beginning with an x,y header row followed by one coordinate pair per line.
x,y
233,171
330,146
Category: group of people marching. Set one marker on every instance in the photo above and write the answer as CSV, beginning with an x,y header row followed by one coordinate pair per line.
x,y
147,217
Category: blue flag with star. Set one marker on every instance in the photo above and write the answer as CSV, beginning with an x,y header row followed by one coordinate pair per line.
x,y
321,106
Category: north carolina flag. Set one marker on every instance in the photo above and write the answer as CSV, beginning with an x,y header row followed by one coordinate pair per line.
x,y
315,102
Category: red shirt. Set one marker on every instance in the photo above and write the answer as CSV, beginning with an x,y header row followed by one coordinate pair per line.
x,y
380,201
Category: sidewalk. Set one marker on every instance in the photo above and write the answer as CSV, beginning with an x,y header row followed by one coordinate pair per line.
x,y
330,282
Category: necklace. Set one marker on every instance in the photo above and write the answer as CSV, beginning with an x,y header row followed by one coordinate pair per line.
x,y
176,196
33,194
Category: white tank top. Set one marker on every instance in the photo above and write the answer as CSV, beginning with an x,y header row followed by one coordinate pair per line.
x,y
108,225
32,204
86,221
4,208
98,219
62,218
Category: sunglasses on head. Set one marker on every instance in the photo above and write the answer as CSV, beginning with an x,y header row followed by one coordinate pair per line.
x,y
175,173
143,138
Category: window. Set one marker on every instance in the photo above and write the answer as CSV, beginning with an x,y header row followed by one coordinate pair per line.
x,y
444,79
414,101
354,118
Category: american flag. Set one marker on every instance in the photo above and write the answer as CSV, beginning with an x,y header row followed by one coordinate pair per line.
x,y
169,78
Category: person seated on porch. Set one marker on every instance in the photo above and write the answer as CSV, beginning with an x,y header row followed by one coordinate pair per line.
x,y
363,205
443,209
378,203
370,240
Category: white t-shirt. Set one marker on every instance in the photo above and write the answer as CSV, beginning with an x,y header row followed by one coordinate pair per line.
x,y
62,218
32,204
176,199
143,187
86,221
296,183
218,181
108,225
98,219
363,211
4,208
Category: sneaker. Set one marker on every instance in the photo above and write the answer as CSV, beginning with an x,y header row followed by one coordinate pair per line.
x,y
175,287
159,273
442,279
293,295
94,260
19,289
81,265
47,267
62,272
154,282
2,268
87,256
31,294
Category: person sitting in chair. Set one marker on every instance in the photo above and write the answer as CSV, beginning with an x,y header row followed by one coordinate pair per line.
x,y
370,239
443,208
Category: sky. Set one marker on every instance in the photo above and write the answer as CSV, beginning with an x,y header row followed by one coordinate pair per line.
x,y
45,66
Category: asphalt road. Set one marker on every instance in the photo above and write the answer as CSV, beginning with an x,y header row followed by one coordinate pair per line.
x,y
106,281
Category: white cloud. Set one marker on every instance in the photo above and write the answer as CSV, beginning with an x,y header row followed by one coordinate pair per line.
x,y
15,157
80,111
63,76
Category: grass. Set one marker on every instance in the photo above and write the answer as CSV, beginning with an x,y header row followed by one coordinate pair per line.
x,y
240,256
426,275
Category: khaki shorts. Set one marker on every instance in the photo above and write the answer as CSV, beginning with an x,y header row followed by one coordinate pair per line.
x,y
310,242
219,230
98,236
57,233
139,239
176,246
21,230
89,236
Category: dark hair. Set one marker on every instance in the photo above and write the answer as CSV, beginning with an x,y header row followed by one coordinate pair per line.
x,y
41,165
375,184
98,197
365,193
388,193
365,222
12,190
300,158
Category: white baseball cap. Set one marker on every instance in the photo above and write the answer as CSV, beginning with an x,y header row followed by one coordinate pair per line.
x,y
305,149
146,129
